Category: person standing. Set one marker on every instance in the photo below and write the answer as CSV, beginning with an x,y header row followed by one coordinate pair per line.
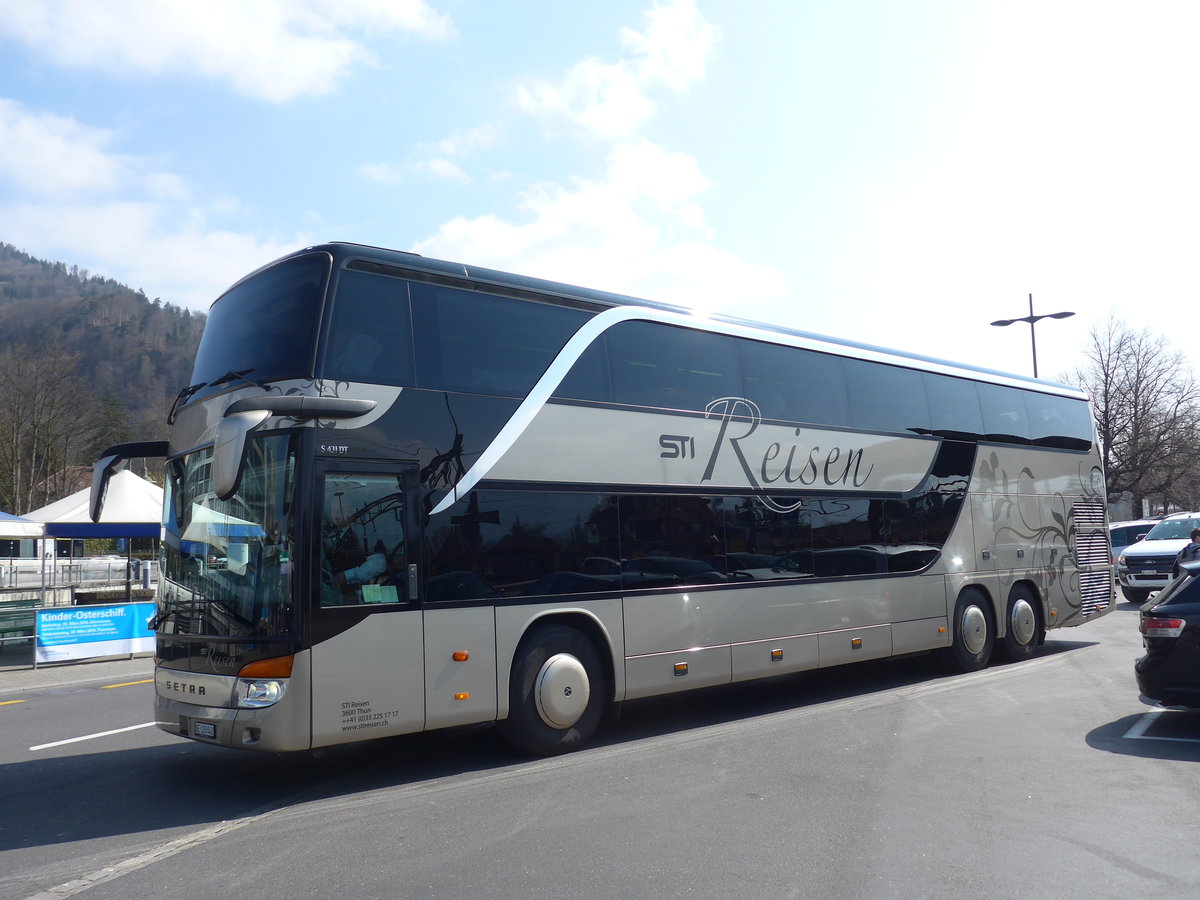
x,y
1190,553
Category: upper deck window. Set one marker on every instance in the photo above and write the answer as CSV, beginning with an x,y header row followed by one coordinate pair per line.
x,y
370,335
265,327
481,343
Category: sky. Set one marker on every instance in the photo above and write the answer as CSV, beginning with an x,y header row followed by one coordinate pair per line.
x,y
896,172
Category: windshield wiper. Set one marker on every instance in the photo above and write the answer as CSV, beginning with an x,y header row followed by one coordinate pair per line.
x,y
182,397
231,376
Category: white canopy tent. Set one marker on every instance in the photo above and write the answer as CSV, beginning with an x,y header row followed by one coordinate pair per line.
x,y
132,508
13,528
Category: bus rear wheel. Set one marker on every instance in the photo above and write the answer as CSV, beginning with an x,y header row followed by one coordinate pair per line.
x,y
972,646
556,693
1022,627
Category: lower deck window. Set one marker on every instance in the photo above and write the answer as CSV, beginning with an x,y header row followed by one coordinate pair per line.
x,y
529,544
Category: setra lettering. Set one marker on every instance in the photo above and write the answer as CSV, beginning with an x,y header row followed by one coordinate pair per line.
x,y
180,687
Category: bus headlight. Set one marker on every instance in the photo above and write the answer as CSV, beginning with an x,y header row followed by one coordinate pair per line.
x,y
263,683
255,693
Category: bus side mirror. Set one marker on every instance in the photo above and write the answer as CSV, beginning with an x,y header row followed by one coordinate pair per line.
x,y
229,449
111,461
243,416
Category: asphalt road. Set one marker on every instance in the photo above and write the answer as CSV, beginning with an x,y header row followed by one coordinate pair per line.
x,y
1041,779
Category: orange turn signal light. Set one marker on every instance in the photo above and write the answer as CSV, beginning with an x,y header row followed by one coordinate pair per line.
x,y
461,655
275,667
463,696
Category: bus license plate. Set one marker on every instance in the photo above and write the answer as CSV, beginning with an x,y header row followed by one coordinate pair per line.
x,y
204,729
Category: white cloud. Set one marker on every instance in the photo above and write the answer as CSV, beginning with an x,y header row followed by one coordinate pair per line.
x,y
437,158
271,50
611,100
171,251
45,154
75,200
633,231
383,173
639,228
444,168
675,46
465,143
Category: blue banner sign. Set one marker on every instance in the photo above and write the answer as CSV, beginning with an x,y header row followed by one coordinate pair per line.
x,y
84,632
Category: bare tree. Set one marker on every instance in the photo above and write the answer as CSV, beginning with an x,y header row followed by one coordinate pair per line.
x,y
1147,406
49,419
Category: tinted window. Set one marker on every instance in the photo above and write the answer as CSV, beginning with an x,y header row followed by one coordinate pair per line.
x,y
265,327
953,405
794,385
761,543
886,398
672,541
588,378
481,343
1004,417
370,337
671,368
1059,421
1123,537
523,544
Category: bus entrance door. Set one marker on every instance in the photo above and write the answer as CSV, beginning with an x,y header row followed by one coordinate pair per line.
x,y
368,675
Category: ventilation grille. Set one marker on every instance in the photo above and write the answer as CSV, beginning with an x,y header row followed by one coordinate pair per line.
x,y
1091,538
1095,591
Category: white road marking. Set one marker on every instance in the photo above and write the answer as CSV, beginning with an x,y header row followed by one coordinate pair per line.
x,y
151,856
1138,731
1143,724
89,737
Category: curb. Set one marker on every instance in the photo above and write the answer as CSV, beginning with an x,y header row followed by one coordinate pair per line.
x,y
20,678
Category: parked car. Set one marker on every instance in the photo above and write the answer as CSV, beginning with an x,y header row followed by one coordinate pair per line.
x,y
1146,566
1169,673
1126,534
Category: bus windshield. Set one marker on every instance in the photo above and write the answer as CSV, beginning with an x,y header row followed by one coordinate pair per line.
x,y
267,326
227,564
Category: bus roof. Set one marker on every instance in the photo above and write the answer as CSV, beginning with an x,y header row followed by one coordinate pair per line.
x,y
345,252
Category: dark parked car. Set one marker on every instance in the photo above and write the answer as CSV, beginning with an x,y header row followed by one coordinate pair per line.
x,y
1169,673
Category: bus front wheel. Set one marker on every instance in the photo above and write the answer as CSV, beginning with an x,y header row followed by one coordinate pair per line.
x,y
556,694
972,646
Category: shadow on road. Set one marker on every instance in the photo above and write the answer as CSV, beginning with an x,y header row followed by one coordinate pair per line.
x,y
1155,734
182,784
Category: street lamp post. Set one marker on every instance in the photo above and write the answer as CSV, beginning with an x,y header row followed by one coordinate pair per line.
x,y
1031,319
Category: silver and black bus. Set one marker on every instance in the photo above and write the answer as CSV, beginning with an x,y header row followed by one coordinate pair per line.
x,y
406,494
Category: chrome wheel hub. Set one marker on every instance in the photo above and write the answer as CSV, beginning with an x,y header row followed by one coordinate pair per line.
x,y
1022,622
561,690
974,629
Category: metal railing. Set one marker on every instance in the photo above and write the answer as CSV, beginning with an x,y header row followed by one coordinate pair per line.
x,y
80,572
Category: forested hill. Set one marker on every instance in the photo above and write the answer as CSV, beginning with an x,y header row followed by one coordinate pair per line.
x,y
127,348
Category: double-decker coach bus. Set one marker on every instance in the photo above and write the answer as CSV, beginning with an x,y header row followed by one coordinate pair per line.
x,y
405,494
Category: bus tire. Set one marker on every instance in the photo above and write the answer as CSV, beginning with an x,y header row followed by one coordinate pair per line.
x,y
972,645
1022,626
556,694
